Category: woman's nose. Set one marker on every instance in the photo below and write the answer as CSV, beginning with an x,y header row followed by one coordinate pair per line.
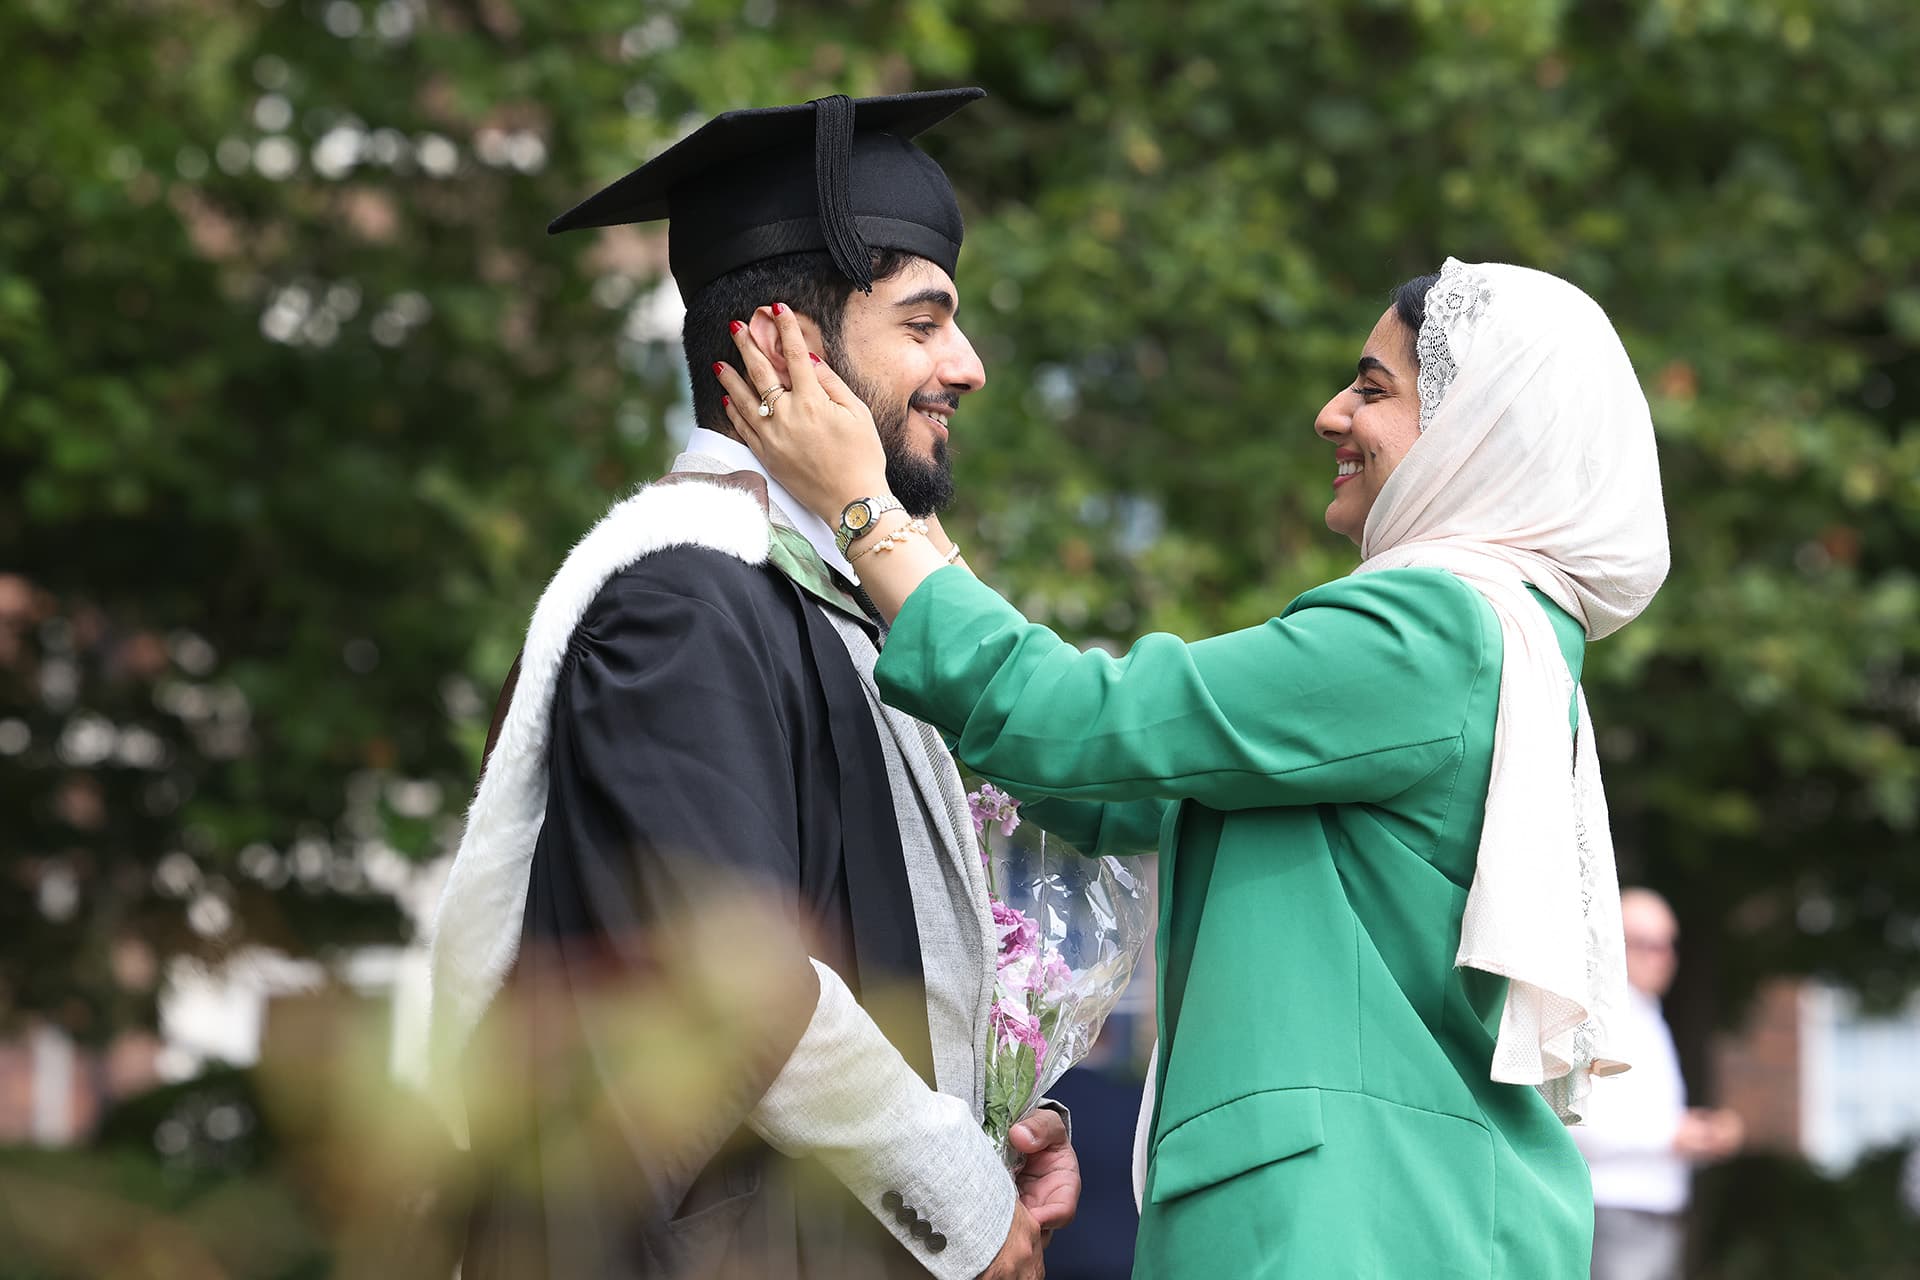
x,y
1333,421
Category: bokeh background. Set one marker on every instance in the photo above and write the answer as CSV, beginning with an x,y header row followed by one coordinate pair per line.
x,y
299,406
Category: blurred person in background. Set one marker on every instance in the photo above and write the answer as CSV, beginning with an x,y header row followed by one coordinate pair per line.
x,y
1104,1090
1640,1137
695,709
1390,947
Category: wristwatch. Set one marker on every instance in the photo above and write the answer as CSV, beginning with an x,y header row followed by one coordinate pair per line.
x,y
858,516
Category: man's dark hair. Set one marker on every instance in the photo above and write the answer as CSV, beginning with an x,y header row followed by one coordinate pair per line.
x,y
1410,304
808,282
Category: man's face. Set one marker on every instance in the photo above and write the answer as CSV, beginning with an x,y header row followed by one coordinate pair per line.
x,y
902,351
1651,935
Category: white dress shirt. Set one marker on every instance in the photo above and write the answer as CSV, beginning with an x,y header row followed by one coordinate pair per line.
x,y
815,530
1633,1117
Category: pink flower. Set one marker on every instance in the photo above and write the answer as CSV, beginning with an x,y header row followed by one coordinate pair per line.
x,y
1054,976
1018,932
991,804
982,810
1013,1025
1015,976
1032,971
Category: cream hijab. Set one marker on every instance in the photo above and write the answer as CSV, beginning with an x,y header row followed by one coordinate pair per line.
x,y
1535,465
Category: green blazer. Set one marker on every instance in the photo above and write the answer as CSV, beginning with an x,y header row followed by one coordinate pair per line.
x,y
1317,786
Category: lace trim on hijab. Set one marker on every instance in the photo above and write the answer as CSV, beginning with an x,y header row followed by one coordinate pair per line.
x,y
1457,300
1568,1094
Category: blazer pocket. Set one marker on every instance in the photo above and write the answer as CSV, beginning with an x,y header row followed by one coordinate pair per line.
x,y
1234,1138
739,1188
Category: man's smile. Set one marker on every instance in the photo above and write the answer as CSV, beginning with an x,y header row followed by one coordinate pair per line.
x,y
937,417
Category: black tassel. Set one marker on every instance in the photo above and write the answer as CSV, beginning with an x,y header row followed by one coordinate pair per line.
x,y
833,172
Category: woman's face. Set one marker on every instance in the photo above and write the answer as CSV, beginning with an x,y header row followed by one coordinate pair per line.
x,y
1371,423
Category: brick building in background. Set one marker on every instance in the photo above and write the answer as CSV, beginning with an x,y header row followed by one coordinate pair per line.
x,y
1811,1075
1759,1072
52,1091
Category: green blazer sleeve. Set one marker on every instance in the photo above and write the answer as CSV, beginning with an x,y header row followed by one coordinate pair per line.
x,y
1123,827
1358,691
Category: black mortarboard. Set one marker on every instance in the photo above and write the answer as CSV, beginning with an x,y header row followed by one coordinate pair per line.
x,y
836,173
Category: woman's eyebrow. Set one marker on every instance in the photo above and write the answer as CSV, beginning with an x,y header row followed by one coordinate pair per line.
x,y
1371,364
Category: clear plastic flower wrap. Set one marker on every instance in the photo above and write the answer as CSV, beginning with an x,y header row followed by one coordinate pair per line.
x,y
1070,928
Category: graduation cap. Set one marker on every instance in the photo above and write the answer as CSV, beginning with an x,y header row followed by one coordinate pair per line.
x,y
837,173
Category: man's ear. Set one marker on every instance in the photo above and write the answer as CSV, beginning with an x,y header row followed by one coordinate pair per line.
x,y
766,335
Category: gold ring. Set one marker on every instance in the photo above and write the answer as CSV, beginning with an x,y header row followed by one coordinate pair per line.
x,y
767,398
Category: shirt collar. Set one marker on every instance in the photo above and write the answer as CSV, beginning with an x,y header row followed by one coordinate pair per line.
x,y
810,526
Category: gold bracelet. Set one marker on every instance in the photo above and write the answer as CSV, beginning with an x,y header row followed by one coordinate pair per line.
x,y
869,548
912,529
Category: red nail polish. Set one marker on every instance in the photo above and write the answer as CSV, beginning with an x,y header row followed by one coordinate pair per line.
x,y
778,309
718,368
734,326
726,402
813,357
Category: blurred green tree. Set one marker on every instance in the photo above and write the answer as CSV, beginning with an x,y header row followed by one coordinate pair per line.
x,y
298,405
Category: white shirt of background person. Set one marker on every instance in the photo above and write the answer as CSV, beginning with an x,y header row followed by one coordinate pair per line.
x,y
1641,1138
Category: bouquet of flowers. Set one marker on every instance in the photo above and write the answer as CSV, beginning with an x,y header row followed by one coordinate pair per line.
x,y
1070,930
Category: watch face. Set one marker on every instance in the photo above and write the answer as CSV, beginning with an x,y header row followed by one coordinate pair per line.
x,y
858,516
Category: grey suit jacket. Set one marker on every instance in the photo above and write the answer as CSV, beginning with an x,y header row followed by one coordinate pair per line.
x,y
916,1158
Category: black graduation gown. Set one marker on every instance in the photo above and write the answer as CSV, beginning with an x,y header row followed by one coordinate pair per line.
x,y
708,728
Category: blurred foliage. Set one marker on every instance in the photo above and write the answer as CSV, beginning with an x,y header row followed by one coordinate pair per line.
x,y
118,1215
314,1163
1763,1216
202,1127
299,406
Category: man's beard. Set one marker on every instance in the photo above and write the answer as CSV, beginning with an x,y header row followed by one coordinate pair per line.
x,y
924,485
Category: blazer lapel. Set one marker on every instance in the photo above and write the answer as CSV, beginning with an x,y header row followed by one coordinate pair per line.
x,y
935,778
886,939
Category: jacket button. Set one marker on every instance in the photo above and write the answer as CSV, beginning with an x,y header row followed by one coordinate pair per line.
x,y
891,1201
936,1242
921,1229
905,1215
